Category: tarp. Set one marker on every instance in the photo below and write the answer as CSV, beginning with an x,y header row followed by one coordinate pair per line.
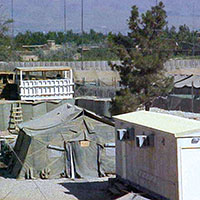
x,y
68,141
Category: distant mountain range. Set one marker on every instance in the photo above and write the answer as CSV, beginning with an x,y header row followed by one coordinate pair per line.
x,y
100,15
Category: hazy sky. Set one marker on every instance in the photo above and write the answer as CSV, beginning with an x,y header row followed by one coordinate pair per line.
x,y
101,15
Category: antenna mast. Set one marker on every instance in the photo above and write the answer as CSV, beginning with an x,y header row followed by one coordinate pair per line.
x,y
193,42
65,17
12,17
82,31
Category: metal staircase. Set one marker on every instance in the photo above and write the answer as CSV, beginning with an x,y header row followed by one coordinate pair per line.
x,y
16,117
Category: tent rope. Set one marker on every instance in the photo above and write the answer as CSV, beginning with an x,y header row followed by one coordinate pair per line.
x,y
31,179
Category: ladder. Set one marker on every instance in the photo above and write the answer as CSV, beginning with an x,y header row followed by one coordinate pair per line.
x,y
16,117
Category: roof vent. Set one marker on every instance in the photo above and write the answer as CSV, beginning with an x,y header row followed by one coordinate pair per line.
x,y
195,140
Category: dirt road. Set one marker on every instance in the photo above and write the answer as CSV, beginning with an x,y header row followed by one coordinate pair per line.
x,y
57,189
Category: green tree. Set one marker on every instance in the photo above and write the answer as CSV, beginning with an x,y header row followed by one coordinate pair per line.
x,y
5,48
187,40
143,53
32,38
65,53
99,54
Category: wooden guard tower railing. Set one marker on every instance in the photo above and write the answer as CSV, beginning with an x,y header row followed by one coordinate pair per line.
x,y
46,89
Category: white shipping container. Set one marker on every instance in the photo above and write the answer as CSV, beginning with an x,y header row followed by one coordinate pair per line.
x,y
160,153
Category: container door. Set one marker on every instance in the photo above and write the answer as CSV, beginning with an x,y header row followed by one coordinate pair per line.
x,y
190,173
189,168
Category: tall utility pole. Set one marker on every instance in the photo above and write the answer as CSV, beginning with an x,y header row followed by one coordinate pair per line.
x,y
65,17
82,31
82,16
12,17
12,29
193,42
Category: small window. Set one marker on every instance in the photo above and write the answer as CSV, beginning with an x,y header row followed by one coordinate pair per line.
x,y
110,149
111,144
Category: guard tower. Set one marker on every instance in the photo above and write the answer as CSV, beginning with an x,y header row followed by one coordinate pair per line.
x,y
45,83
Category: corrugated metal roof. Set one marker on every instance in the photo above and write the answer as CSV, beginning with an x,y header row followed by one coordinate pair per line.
x,y
189,71
6,73
183,81
186,77
180,127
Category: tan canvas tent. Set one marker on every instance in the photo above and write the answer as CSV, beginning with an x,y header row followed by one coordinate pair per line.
x,y
68,141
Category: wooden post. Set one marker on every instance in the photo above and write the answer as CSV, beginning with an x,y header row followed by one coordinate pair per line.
x,y
21,78
44,75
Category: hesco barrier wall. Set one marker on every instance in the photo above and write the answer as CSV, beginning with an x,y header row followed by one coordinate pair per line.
x,y
30,110
173,64
98,72
97,65
76,65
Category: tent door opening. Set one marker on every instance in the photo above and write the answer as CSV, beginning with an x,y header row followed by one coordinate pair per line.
x,y
83,159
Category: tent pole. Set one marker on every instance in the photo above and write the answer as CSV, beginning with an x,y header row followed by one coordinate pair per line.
x,y
72,164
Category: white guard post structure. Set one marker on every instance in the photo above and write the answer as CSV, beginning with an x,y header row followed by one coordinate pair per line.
x,y
36,83
159,153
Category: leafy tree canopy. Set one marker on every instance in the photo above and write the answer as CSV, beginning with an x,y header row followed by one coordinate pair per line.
x,y
32,38
143,53
4,38
7,52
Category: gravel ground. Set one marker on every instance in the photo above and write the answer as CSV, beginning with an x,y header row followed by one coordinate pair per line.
x,y
57,189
